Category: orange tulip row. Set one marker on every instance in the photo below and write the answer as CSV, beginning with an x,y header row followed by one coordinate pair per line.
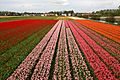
x,y
112,47
108,30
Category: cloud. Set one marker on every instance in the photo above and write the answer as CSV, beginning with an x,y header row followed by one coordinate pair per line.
x,y
49,5
60,2
29,5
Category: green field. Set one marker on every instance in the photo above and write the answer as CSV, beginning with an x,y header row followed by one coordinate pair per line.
x,y
28,17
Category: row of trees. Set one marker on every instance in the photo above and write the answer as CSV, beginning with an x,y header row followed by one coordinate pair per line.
x,y
59,13
109,14
7,13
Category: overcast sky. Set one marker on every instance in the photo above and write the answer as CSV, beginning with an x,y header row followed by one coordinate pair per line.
x,y
57,5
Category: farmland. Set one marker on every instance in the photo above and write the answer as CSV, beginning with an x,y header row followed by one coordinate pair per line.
x,y
59,50
13,18
16,41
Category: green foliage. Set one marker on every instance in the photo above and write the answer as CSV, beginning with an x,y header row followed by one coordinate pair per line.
x,y
28,17
119,7
110,19
85,16
109,12
118,22
95,17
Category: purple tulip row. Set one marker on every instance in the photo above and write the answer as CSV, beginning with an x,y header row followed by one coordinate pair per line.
x,y
24,69
62,67
42,69
100,39
109,60
78,63
100,69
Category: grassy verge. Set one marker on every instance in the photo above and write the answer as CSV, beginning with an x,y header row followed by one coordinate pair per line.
x,y
64,18
27,17
20,51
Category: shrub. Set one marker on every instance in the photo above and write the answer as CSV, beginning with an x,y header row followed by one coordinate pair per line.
x,y
110,19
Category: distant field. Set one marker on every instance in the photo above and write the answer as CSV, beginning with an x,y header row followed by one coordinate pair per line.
x,y
10,18
64,18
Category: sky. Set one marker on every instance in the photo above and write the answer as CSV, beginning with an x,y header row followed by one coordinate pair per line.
x,y
57,5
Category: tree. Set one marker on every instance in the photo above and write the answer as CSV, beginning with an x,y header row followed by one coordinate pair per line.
x,y
95,17
110,19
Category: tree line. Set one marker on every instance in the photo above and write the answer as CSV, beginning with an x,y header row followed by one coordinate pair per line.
x,y
59,13
110,15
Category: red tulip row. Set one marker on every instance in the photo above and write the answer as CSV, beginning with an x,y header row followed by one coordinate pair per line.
x,y
103,54
62,67
13,32
24,69
42,69
102,42
100,69
80,68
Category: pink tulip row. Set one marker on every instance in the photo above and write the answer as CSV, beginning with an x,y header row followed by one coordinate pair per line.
x,y
100,69
104,44
110,61
62,67
78,62
42,69
24,69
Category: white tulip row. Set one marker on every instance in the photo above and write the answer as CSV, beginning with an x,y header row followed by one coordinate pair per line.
x,y
62,67
78,63
42,68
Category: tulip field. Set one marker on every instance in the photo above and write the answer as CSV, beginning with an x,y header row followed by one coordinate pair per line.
x,y
17,39
59,50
